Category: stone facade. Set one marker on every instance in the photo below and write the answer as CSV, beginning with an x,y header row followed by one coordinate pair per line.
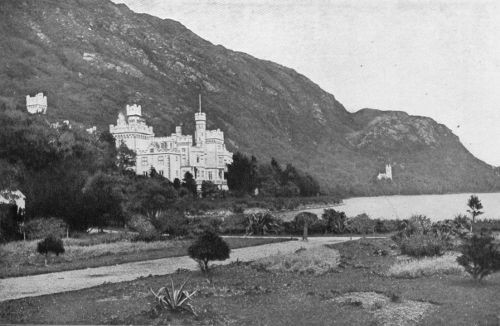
x,y
206,158
36,104
387,174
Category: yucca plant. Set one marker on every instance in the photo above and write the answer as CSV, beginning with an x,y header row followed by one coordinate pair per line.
x,y
174,299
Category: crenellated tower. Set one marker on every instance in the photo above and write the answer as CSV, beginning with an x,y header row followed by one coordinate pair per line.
x,y
132,129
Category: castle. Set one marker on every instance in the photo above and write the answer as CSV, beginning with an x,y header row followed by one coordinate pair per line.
x,y
36,104
172,156
387,174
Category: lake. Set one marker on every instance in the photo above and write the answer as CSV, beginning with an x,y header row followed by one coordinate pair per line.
x,y
436,207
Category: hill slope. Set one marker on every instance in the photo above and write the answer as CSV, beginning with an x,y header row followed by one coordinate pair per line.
x,y
92,57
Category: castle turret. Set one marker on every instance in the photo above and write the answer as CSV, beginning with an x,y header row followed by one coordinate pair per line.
x,y
132,129
134,110
201,126
36,104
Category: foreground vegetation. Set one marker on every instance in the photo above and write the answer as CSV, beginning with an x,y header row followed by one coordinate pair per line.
x,y
356,290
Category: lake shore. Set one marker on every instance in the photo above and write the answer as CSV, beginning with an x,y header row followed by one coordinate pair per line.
x,y
436,207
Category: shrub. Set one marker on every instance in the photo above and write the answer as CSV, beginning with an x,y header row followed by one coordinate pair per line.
x,y
50,244
416,224
235,224
386,226
199,226
147,236
261,224
315,261
208,247
319,227
336,221
209,189
450,231
428,266
420,245
479,256
360,224
173,222
175,299
141,224
289,227
41,228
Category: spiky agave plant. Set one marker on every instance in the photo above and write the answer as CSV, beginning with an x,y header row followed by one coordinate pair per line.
x,y
174,299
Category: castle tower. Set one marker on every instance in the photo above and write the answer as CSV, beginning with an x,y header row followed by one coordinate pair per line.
x,y
388,171
201,126
132,129
36,104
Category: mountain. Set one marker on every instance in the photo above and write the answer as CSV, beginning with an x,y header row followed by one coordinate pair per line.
x,y
92,57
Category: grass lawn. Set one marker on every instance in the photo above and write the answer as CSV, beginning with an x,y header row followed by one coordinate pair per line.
x,y
20,258
355,290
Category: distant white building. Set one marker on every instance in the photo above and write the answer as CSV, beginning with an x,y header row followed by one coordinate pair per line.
x,y
36,104
172,156
13,197
387,174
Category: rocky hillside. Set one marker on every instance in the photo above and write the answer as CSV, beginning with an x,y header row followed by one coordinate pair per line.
x,y
92,57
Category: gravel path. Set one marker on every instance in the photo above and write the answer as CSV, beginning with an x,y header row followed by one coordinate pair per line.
x,y
35,285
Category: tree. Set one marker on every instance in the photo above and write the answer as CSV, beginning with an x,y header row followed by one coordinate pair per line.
x,y
242,174
125,159
103,197
475,208
208,247
479,257
190,183
177,184
150,197
209,189
335,221
109,151
48,245
305,219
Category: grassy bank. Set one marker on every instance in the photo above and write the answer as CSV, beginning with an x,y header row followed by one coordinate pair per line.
x,y
20,258
356,289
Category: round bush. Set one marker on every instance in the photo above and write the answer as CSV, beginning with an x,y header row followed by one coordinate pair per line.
x,y
50,244
209,246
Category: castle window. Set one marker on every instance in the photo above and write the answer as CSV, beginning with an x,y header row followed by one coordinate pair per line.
x,y
161,172
197,159
151,150
161,160
209,175
144,160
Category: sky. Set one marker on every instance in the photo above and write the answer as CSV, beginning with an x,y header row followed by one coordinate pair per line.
x,y
438,58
